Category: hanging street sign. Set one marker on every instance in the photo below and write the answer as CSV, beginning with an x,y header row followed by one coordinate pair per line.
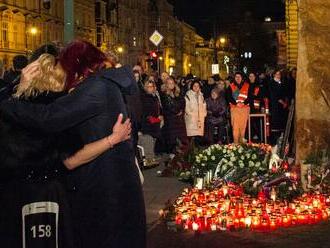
x,y
156,38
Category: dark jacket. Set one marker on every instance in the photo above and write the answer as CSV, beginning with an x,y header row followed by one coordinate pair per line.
x,y
11,75
25,150
7,90
107,200
31,170
2,83
174,124
151,112
216,110
278,91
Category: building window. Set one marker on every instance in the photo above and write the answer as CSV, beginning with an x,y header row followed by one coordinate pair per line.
x,y
4,31
15,36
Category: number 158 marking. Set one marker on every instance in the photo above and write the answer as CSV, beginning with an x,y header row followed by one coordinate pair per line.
x,y
41,231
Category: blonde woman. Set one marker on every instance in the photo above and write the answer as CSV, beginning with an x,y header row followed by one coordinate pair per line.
x,y
173,103
31,168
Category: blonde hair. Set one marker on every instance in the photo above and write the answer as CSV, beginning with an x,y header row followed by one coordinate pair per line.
x,y
167,91
49,79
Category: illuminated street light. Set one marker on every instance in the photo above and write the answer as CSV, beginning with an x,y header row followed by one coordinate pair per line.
x,y
161,58
120,49
222,40
33,30
189,65
172,61
268,19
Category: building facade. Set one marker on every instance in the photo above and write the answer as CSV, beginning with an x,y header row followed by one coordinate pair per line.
x,y
123,26
291,8
84,16
25,24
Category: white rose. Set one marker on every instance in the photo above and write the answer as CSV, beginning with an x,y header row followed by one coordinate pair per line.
x,y
225,161
203,164
233,159
242,157
254,174
248,155
205,158
254,157
258,164
198,161
232,154
213,158
240,150
251,163
230,164
208,152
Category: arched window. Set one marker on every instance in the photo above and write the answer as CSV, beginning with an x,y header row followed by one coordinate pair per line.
x,y
5,29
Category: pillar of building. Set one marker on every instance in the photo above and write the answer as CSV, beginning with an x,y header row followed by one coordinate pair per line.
x,y
313,84
68,20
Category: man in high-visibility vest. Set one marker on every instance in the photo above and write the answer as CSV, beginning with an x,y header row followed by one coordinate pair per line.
x,y
238,97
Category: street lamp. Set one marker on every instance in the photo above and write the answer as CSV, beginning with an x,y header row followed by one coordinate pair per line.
x,y
33,30
222,40
120,49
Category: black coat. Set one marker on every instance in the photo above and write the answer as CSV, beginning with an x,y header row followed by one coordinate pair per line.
x,y
174,124
107,200
11,75
31,170
279,115
151,108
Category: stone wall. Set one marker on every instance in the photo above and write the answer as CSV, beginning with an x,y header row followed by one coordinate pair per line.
x,y
313,82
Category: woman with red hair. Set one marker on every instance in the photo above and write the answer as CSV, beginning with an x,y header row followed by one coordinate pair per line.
x,y
106,194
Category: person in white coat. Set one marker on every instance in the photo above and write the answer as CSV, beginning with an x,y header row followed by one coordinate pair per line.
x,y
195,111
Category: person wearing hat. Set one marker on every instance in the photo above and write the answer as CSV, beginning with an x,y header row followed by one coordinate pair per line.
x,y
238,97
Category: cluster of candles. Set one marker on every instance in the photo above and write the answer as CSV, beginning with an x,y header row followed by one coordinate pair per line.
x,y
227,208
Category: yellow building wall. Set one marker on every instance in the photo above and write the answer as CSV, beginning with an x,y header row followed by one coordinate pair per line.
x,y
292,32
25,25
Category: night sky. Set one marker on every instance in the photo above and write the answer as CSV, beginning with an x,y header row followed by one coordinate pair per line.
x,y
202,13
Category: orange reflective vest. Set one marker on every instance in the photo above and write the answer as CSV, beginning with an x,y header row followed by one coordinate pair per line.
x,y
242,93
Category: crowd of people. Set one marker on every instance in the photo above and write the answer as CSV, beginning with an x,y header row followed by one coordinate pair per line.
x,y
71,123
177,112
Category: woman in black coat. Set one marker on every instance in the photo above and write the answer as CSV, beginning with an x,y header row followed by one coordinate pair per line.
x,y
278,105
106,195
151,118
173,110
151,122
